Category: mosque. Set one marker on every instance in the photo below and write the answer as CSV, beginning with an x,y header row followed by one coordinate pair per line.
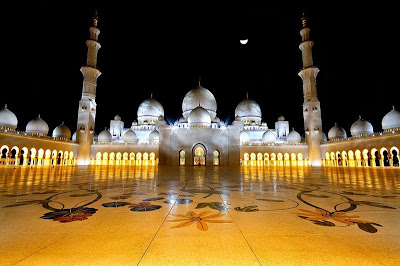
x,y
199,137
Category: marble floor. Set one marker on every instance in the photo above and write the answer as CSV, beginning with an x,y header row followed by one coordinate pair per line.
x,y
149,215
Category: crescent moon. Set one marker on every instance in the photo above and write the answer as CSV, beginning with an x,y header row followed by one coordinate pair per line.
x,y
244,41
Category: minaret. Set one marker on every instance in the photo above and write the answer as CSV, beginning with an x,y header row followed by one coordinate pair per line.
x,y
311,105
87,104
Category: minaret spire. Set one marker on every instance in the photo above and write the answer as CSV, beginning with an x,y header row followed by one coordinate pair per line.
x,y
87,104
95,18
304,20
311,105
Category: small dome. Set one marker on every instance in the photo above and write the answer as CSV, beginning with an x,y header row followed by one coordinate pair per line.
x,y
337,132
8,118
324,138
268,136
248,108
74,136
154,136
130,136
361,126
216,120
161,118
150,107
199,115
391,120
244,136
105,135
199,95
37,126
62,131
293,136
281,118
182,120
117,117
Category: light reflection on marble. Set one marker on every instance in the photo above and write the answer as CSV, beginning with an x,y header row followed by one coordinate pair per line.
x,y
147,215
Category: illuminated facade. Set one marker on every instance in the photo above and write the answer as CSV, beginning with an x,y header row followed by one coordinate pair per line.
x,y
199,137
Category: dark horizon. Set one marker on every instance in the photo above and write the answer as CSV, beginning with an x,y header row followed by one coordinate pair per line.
x,y
165,50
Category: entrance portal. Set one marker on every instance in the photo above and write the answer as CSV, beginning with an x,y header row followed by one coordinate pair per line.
x,y
199,157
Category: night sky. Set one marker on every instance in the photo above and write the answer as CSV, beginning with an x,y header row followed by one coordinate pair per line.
x,y
164,49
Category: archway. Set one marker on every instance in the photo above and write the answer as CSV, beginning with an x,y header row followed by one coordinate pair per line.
x,y
199,155
182,160
216,157
385,157
395,156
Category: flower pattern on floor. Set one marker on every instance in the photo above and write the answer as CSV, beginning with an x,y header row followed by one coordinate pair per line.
x,y
201,219
70,215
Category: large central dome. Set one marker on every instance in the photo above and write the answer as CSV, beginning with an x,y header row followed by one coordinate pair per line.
x,y
200,96
149,110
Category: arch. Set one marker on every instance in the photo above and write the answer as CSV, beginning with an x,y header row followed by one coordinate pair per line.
x,y
98,158
47,157
259,159
344,159
366,158
384,157
253,157
4,154
182,159
333,159
105,158
375,157
358,158
71,158
351,161
23,157
145,156
32,156
132,156
300,157
16,149
125,156
266,156
286,156
216,157
139,156
199,154
119,156
394,151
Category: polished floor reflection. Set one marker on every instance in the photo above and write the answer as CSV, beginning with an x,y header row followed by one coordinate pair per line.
x,y
159,215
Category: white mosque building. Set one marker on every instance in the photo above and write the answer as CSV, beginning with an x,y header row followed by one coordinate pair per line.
x,y
199,137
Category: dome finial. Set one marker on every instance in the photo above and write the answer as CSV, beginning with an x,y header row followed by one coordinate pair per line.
x,y
95,18
199,104
38,117
247,95
304,20
62,123
335,124
199,81
151,95
5,106
359,117
392,106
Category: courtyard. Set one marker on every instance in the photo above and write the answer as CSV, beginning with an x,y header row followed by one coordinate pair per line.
x,y
171,215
